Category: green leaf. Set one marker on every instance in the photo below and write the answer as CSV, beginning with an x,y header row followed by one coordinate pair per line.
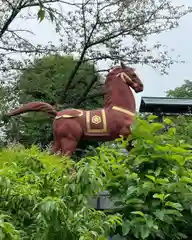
x,y
145,232
186,179
151,177
159,214
134,201
177,206
149,221
172,212
179,158
167,121
181,236
41,14
131,190
158,171
162,180
171,131
155,226
160,196
138,213
152,117
126,227
156,127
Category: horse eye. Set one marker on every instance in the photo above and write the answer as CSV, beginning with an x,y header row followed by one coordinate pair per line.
x,y
134,75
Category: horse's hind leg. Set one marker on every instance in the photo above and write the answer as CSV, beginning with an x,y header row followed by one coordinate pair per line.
x,y
69,132
68,146
56,147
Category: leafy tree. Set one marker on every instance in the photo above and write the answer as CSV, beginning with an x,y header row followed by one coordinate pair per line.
x,y
97,31
15,40
7,98
183,123
100,30
184,91
44,80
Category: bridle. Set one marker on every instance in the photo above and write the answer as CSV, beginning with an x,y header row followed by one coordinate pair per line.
x,y
123,77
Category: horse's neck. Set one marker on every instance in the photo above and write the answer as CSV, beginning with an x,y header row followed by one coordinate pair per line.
x,y
119,95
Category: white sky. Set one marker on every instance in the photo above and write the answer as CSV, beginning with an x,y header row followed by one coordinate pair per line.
x,y
155,84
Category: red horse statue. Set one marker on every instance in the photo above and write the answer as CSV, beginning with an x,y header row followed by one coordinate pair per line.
x,y
106,124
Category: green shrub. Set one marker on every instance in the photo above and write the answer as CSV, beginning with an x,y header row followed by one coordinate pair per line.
x,y
46,197
152,185
42,199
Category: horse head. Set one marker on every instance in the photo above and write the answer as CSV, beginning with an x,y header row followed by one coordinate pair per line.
x,y
127,75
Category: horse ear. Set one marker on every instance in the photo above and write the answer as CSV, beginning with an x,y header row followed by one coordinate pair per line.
x,y
123,65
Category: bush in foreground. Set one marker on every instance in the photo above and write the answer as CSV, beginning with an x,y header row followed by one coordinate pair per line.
x,y
46,197
152,185
42,199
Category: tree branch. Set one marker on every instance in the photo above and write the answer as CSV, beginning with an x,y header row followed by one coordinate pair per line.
x,y
84,21
93,95
20,30
88,88
80,59
52,1
116,34
9,4
9,21
22,50
21,5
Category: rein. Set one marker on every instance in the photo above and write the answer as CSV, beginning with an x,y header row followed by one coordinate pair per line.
x,y
123,77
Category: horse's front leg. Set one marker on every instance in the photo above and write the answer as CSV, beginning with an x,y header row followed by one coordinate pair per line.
x,y
126,132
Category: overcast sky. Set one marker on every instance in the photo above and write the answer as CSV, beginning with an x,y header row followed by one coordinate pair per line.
x,y
155,84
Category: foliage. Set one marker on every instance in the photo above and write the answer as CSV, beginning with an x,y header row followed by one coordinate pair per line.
x,y
46,77
183,123
151,189
42,199
184,91
12,38
151,186
43,81
6,99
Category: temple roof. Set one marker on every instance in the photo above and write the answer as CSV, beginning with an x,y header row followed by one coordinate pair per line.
x,y
166,105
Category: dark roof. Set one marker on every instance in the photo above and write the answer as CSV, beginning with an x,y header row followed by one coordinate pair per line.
x,y
166,105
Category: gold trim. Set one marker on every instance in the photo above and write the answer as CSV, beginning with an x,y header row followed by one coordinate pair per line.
x,y
71,116
88,118
123,110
